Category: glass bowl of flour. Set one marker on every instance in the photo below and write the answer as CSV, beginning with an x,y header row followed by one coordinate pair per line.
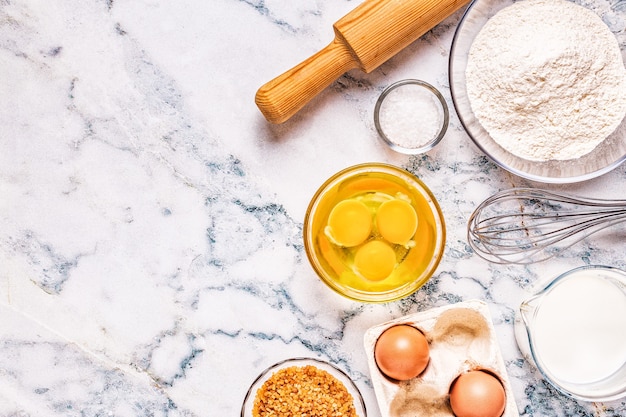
x,y
540,85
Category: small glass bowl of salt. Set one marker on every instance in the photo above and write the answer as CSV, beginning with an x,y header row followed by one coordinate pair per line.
x,y
411,116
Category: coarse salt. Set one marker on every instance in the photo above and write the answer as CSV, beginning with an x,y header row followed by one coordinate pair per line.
x,y
410,116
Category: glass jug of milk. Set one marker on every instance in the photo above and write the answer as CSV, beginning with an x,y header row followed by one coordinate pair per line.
x,y
574,331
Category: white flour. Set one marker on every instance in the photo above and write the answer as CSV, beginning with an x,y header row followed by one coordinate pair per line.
x,y
546,79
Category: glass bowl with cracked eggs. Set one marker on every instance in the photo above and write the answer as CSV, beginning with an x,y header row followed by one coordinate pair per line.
x,y
540,85
374,232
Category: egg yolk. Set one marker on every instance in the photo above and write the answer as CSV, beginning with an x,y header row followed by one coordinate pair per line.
x,y
402,352
396,221
375,260
350,223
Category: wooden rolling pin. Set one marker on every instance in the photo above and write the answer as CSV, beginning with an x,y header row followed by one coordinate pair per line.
x,y
366,37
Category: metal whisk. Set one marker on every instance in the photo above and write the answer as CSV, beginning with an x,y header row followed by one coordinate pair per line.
x,y
526,225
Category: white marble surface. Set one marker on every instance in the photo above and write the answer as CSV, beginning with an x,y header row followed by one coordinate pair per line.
x,y
151,257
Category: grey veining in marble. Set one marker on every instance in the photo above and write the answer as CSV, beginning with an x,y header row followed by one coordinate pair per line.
x,y
151,256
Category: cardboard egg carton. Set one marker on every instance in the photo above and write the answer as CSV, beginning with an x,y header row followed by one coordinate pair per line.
x,y
461,338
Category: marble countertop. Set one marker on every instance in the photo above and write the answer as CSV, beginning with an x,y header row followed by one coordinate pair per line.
x,y
151,255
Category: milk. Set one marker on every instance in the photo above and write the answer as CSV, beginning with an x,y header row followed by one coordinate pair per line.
x,y
579,330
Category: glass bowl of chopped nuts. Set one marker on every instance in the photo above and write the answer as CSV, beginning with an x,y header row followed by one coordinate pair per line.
x,y
303,386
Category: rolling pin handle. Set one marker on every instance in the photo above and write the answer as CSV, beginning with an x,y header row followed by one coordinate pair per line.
x,y
282,97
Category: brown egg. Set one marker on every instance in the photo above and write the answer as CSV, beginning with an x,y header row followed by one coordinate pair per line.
x,y
477,394
402,352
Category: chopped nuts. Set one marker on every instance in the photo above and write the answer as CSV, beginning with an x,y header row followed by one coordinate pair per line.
x,y
303,391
